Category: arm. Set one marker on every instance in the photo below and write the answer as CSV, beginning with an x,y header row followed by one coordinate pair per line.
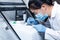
x,y
51,32
54,34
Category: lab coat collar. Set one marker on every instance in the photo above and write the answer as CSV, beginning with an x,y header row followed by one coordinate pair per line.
x,y
53,13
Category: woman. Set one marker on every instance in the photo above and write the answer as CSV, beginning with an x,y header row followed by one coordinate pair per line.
x,y
43,9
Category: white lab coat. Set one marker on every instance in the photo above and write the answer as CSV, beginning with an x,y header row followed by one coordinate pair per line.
x,y
54,32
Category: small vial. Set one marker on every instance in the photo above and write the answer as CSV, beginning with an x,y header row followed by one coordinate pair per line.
x,y
24,17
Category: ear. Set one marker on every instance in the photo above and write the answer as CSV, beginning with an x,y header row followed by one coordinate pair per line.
x,y
44,6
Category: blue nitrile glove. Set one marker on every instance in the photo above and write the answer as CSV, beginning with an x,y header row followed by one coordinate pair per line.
x,y
40,28
31,21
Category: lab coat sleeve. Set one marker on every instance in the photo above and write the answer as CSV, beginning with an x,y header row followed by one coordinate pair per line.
x,y
53,33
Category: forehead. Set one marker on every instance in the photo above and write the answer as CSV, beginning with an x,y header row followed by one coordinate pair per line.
x,y
36,10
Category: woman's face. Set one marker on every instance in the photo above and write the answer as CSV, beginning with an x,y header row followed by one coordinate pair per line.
x,y
37,11
43,10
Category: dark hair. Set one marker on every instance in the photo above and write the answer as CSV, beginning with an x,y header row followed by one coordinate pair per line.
x,y
36,4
